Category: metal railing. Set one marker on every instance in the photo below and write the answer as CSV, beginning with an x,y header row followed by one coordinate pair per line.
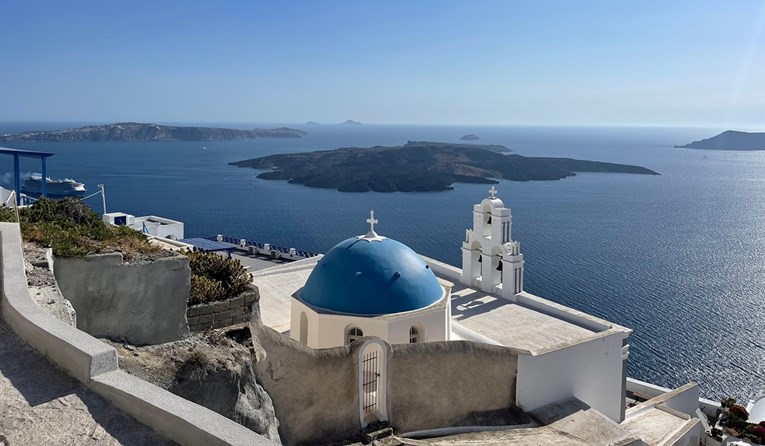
x,y
236,241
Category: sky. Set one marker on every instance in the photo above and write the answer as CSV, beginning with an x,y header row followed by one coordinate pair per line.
x,y
678,63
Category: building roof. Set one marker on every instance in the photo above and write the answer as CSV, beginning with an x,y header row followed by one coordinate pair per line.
x,y
25,153
208,245
371,276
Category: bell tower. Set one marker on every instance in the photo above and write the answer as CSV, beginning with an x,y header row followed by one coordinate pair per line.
x,y
491,260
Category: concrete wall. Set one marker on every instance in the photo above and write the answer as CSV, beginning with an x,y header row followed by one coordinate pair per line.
x,y
224,313
590,371
314,392
444,384
141,303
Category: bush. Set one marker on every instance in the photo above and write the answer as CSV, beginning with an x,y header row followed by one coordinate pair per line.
x,y
8,214
214,277
73,229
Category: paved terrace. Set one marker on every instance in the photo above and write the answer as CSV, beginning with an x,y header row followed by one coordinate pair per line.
x,y
40,405
277,285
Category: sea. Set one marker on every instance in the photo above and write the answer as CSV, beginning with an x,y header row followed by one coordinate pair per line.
x,y
678,258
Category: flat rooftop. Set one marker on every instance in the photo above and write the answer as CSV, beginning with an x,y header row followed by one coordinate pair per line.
x,y
511,324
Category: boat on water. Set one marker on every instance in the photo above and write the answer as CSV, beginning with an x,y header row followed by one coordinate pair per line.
x,y
56,188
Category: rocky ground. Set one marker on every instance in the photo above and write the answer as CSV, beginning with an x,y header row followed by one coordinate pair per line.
x,y
42,284
212,369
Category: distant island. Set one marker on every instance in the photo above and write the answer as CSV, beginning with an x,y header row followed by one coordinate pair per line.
x,y
135,131
730,140
419,166
470,137
348,122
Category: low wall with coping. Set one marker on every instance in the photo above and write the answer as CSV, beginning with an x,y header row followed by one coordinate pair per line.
x,y
315,392
224,313
95,364
141,303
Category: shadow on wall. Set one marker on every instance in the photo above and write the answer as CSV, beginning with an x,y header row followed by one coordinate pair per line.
x,y
430,385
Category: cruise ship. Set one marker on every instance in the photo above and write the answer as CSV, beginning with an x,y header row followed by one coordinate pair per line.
x,y
63,188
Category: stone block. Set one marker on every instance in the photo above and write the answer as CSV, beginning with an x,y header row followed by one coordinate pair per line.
x,y
236,302
251,296
198,310
221,323
205,319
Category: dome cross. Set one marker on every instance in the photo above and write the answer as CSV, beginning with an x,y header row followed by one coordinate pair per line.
x,y
493,192
372,221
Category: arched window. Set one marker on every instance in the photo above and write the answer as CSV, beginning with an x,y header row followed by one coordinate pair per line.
x,y
353,334
414,335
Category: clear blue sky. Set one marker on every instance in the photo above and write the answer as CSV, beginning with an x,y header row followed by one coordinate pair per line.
x,y
446,62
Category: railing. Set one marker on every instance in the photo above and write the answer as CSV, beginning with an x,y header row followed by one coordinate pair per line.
x,y
236,241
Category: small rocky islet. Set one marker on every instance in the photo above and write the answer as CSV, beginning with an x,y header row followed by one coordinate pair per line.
x,y
420,166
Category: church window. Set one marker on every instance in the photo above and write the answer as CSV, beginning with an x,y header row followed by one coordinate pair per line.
x,y
414,335
353,334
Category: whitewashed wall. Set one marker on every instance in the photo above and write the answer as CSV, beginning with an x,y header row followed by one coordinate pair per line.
x,y
590,371
328,330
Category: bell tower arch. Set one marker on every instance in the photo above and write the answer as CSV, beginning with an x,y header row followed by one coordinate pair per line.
x,y
491,260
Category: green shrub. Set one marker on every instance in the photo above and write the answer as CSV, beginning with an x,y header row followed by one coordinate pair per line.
x,y
73,229
8,214
214,277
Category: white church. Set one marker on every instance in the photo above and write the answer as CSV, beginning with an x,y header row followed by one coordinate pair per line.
x,y
371,285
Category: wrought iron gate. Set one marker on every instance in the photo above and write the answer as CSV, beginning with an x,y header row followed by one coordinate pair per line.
x,y
370,375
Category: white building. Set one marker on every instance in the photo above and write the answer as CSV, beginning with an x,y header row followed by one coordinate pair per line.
x,y
374,286
371,285
149,224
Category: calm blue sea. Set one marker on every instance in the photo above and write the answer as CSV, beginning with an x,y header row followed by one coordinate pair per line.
x,y
679,258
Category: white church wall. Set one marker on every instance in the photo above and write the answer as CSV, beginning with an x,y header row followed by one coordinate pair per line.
x,y
329,330
430,322
333,328
590,371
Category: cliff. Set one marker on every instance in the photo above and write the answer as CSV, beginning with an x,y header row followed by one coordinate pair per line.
x,y
730,140
419,166
135,131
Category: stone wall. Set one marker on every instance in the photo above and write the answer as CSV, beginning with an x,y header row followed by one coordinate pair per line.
x,y
224,313
453,383
140,303
315,392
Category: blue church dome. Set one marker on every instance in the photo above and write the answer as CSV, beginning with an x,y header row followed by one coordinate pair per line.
x,y
371,276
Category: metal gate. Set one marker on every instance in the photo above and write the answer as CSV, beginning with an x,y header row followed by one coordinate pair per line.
x,y
370,367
